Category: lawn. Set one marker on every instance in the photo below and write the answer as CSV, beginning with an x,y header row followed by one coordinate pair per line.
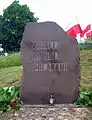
x,y
10,61
86,69
10,75
11,69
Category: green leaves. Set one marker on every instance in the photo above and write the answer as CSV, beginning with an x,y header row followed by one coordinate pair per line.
x,y
9,98
84,98
12,24
89,40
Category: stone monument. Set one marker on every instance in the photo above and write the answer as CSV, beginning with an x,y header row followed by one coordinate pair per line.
x,y
51,65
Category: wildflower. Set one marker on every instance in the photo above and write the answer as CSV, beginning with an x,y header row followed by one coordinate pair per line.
x,y
12,104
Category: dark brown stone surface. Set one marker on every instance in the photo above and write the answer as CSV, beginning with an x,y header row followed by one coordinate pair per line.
x,y
50,60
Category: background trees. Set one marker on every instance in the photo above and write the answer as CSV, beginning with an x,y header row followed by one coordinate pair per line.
x,y
12,24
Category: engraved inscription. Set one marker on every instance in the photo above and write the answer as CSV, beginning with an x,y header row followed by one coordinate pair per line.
x,y
49,54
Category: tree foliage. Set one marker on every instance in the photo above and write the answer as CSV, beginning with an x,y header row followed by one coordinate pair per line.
x,y
12,24
88,40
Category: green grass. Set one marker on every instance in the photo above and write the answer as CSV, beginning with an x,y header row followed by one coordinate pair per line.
x,y
10,60
86,69
10,76
11,70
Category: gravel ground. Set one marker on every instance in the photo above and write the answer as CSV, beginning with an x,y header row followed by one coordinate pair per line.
x,y
45,112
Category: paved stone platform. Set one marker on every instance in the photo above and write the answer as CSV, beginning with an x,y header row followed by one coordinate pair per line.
x,y
45,112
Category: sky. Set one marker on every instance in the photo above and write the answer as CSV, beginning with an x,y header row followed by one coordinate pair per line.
x,y
66,13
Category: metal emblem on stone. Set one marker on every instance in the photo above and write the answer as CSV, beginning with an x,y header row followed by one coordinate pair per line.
x,y
51,66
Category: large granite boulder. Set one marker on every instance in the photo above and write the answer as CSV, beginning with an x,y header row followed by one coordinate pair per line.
x,y
51,66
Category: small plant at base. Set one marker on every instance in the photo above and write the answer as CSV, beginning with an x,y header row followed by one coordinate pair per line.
x,y
84,98
9,98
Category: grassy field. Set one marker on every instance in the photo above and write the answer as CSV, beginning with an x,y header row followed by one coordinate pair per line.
x,y
11,69
86,69
10,60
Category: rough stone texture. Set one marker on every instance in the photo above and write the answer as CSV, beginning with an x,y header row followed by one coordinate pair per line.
x,y
50,60
57,112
